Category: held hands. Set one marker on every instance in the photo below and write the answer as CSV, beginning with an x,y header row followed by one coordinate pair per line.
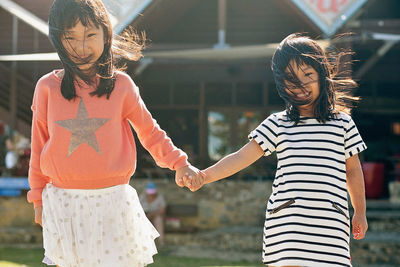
x,y
360,225
190,177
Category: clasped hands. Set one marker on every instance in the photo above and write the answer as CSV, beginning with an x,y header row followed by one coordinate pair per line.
x,y
189,176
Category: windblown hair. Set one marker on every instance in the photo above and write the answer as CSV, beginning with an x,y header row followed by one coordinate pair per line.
x,y
335,90
64,15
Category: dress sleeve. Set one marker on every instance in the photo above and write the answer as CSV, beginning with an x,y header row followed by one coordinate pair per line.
x,y
353,143
151,136
40,135
266,134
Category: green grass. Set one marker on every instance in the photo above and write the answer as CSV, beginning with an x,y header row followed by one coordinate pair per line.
x,y
18,257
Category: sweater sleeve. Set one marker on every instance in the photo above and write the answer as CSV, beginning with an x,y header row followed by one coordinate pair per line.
x,y
40,135
151,136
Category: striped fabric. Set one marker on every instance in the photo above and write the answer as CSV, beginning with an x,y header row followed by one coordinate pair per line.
x,y
307,217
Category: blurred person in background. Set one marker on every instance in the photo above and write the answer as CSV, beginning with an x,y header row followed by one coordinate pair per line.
x,y
154,206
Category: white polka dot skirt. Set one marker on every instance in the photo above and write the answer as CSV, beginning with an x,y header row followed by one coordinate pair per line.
x,y
99,227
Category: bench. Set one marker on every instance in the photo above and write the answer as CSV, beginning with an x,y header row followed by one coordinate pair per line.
x,y
182,210
174,215
13,186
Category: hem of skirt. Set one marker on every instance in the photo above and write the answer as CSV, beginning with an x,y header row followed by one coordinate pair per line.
x,y
152,260
49,262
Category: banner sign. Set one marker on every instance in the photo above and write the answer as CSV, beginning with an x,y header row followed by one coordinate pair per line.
x,y
329,15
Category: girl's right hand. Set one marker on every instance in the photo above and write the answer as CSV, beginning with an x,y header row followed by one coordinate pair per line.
x,y
38,215
360,225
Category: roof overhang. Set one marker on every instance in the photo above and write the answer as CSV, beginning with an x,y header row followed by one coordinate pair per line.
x,y
25,16
207,54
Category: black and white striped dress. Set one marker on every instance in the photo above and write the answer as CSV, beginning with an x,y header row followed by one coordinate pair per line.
x,y
307,219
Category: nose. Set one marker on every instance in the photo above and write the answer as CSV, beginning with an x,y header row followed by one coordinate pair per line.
x,y
81,49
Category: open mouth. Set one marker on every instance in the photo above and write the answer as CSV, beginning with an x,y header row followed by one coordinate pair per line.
x,y
302,96
83,60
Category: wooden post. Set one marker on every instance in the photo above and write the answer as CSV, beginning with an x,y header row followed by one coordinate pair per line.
x,y
233,119
203,135
13,82
222,14
221,25
36,50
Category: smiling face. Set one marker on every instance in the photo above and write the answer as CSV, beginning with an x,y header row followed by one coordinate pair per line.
x,y
84,45
303,97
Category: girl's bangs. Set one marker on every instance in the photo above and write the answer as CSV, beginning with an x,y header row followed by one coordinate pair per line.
x,y
74,12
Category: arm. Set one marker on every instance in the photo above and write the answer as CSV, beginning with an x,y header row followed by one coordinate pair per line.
x,y
156,141
37,180
234,162
355,186
151,136
161,148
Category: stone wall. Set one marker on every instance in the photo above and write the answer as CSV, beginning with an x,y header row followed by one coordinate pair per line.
x,y
229,222
224,203
15,211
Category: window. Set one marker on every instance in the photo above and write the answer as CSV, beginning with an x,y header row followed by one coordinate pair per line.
x,y
186,93
218,94
155,93
218,134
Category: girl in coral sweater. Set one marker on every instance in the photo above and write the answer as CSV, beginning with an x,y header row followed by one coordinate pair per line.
x,y
83,151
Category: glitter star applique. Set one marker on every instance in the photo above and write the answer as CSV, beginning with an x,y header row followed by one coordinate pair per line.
x,y
83,129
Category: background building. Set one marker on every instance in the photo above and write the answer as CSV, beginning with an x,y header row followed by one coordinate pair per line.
x,y
206,74
206,79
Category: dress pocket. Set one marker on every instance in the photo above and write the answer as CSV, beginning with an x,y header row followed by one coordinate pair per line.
x,y
284,205
340,210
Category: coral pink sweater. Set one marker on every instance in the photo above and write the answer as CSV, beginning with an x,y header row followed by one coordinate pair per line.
x,y
87,143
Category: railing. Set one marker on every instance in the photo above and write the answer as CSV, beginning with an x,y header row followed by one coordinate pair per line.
x,y
24,96
13,186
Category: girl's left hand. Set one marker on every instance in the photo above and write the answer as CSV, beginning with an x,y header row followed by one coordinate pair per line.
x,y
360,225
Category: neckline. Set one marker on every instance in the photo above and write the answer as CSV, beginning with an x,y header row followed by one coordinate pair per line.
x,y
55,72
306,117
301,116
79,84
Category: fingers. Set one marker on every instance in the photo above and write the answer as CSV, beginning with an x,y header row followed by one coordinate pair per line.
x,y
356,232
192,182
197,182
179,181
38,215
359,231
38,220
190,177
188,181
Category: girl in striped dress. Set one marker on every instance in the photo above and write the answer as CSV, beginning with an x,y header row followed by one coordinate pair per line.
x,y
307,219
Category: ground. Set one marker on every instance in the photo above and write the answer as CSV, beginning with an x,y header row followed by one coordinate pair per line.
x,y
31,257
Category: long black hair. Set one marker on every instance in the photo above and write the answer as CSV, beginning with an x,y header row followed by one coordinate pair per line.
x,y
334,91
64,14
